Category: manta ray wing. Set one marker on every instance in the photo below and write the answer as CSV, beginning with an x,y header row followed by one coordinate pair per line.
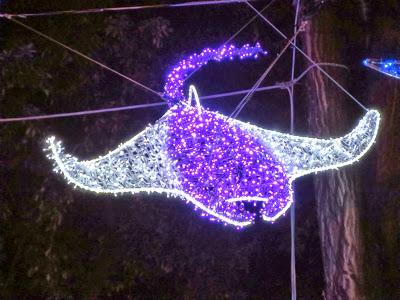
x,y
303,155
140,164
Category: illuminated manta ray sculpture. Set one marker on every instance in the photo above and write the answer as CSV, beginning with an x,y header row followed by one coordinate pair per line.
x,y
212,161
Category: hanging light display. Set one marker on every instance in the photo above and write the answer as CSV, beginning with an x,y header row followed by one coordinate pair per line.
x,y
216,163
390,67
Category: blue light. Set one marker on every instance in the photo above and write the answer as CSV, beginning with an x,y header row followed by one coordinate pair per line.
x,y
390,67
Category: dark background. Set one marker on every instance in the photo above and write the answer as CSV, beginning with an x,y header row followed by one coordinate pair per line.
x,y
58,242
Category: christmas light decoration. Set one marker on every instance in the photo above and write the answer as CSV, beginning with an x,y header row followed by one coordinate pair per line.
x,y
219,164
390,67
214,162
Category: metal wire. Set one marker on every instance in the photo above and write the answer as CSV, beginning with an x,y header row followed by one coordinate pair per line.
x,y
247,98
121,9
293,207
308,58
282,85
236,34
85,56
81,113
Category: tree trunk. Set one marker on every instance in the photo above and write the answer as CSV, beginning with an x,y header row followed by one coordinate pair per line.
x,y
382,213
382,216
336,192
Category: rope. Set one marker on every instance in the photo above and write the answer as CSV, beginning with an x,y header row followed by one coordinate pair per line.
x,y
11,16
119,9
308,58
248,23
81,113
247,98
281,85
85,56
293,207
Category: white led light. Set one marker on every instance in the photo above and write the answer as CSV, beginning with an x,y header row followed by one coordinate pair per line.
x,y
304,155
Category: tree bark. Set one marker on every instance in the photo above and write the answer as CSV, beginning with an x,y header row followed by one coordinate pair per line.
x,y
382,208
337,191
382,216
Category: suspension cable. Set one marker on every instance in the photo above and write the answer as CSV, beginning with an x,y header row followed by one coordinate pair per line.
x,y
293,206
236,33
85,56
247,97
122,9
281,85
309,58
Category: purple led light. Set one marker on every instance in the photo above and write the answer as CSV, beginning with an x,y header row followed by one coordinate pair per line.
x,y
176,78
218,161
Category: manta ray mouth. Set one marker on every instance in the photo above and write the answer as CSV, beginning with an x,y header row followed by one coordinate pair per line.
x,y
248,199
262,208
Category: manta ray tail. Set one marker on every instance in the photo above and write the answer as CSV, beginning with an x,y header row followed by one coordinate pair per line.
x,y
180,72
